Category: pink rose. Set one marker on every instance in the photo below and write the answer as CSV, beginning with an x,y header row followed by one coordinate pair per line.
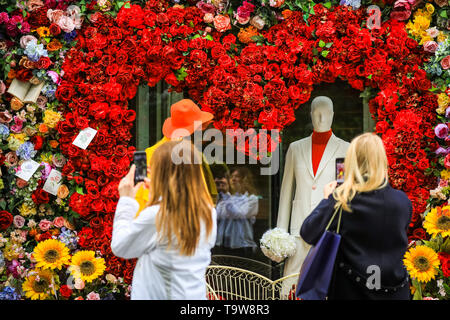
x,y
2,87
445,63
25,39
59,222
5,117
93,296
222,23
242,20
45,224
433,32
206,7
21,183
430,46
54,15
447,161
79,284
11,159
34,4
66,24
19,221
257,22
401,10
208,17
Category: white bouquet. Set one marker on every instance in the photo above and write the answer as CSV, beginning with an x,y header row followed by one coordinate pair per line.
x,y
277,244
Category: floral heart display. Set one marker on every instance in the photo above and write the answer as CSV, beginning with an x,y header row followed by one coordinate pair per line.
x,y
252,79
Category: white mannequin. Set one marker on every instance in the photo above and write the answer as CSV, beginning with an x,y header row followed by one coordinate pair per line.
x,y
299,177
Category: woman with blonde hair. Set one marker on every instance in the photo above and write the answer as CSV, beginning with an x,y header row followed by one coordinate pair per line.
x,y
373,227
173,236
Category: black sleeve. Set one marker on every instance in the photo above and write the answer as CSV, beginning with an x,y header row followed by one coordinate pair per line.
x,y
315,224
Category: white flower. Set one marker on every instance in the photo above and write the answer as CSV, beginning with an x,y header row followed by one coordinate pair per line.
x,y
277,244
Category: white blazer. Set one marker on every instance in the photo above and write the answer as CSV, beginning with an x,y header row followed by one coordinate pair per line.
x,y
160,274
298,175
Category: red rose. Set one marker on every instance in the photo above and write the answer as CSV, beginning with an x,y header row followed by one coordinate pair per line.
x,y
44,62
40,196
65,291
45,236
92,189
99,110
54,29
419,234
6,219
65,92
382,126
38,142
445,262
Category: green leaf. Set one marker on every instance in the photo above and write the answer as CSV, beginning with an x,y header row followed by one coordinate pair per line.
x,y
418,293
80,190
327,5
209,37
443,14
369,76
324,53
322,43
181,74
127,5
329,44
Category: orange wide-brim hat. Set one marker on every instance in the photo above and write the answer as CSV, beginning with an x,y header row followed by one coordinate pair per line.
x,y
185,118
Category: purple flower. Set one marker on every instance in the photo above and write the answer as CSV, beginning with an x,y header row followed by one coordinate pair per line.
x,y
12,268
441,151
447,112
441,130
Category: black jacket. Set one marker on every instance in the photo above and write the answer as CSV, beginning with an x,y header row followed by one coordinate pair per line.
x,y
373,234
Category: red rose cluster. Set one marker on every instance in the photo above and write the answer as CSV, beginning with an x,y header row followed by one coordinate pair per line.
x,y
245,86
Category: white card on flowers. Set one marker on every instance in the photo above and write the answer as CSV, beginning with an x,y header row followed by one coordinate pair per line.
x,y
53,182
84,138
27,169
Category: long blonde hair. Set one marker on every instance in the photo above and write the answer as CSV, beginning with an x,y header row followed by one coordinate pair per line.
x,y
181,192
366,169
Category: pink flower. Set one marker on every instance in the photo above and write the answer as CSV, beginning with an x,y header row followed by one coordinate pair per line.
x,y
45,224
208,17
66,24
433,32
222,23
19,221
447,161
4,18
445,63
245,10
93,296
59,222
79,284
401,10
430,46
25,39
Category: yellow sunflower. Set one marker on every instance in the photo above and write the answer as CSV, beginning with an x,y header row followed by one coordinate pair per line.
x,y
51,254
86,266
39,285
422,263
437,221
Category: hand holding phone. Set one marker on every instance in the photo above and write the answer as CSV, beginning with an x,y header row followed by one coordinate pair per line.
x,y
140,160
340,170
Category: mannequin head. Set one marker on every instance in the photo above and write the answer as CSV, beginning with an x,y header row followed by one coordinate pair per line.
x,y
322,113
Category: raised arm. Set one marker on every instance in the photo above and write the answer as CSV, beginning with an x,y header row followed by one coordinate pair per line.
x,y
132,237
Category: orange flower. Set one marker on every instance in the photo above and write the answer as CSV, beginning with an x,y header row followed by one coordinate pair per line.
x,y
54,45
63,191
245,35
286,13
33,232
53,143
43,128
11,74
16,104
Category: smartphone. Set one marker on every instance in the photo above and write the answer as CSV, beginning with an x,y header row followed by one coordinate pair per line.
x,y
140,160
340,170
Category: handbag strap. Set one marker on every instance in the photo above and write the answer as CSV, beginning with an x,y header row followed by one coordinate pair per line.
x,y
332,218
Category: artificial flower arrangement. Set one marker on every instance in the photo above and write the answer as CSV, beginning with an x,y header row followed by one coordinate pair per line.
x,y
428,261
277,244
262,56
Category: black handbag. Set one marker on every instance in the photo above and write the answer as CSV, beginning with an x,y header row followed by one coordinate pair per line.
x,y
317,269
